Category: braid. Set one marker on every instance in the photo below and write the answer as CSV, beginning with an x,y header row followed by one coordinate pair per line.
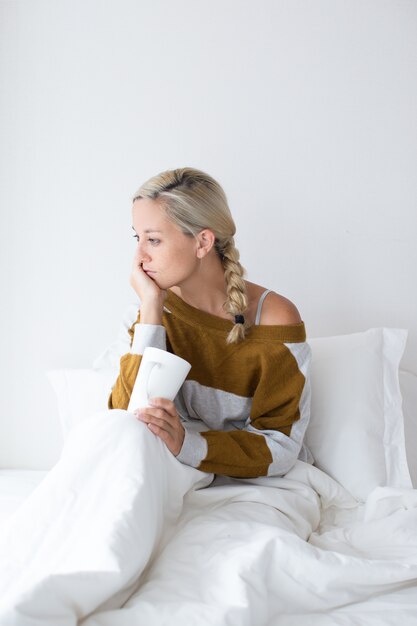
x,y
237,301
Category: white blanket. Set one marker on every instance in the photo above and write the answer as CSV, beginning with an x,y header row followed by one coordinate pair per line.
x,y
120,533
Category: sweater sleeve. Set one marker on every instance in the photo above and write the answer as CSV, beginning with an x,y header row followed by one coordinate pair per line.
x,y
141,336
271,439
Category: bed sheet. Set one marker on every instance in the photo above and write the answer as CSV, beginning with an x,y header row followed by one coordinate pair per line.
x,y
285,551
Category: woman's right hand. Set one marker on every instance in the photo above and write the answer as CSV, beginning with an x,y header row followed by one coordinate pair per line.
x,y
151,296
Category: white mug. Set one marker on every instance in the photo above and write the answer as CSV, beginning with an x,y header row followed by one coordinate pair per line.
x,y
160,375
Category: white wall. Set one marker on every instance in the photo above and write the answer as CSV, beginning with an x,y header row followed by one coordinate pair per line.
x,y
305,111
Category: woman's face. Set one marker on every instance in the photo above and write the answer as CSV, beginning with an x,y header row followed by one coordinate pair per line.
x,y
168,255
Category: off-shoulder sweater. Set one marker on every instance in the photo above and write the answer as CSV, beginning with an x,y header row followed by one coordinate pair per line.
x,y
245,407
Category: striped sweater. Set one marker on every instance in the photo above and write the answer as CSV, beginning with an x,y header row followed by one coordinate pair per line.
x,y
245,407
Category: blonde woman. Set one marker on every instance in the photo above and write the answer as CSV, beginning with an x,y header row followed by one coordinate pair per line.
x,y
81,541
244,408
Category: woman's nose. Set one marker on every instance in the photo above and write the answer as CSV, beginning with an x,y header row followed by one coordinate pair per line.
x,y
144,256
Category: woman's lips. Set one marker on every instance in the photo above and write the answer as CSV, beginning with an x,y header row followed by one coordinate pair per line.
x,y
149,271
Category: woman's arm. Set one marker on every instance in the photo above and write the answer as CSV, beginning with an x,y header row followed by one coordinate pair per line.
x,y
146,331
271,440
141,336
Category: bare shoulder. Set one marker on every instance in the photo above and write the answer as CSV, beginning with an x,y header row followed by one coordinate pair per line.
x,y
276,310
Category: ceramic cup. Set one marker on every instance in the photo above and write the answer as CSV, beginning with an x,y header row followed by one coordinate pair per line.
x,y
160,375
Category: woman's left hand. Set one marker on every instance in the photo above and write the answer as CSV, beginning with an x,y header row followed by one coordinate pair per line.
x,y
163,420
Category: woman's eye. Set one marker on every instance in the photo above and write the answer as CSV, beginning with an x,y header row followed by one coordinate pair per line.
x,y
153,242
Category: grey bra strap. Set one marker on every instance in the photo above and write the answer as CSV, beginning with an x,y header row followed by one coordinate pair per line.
x,y
260,303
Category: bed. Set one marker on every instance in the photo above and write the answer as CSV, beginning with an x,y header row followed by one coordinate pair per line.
x,y
329,543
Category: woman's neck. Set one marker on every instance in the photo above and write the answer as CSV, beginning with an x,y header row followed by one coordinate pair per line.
x,y
206,289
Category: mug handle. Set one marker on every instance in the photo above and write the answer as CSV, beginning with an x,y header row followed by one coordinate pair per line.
x,y
148,375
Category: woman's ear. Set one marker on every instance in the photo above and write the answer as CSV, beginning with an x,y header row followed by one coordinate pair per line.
x,y
205,242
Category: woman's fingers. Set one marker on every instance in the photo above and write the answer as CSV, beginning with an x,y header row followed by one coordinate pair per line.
x,y
163,420
146,288
158,417
165,405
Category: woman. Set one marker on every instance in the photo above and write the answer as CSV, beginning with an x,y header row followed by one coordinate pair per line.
x,y
244,407
79,544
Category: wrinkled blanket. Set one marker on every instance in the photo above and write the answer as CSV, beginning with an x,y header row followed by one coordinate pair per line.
x,y
119,532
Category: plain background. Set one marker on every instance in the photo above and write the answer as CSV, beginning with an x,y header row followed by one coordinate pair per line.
x,y
303,110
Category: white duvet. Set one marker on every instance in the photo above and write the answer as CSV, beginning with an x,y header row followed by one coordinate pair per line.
x,y
120,533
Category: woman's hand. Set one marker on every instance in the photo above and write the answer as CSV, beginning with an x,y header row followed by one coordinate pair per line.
x,y
163,420
151,295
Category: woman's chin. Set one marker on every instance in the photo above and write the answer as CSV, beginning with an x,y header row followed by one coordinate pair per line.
x,y
165,284
161,284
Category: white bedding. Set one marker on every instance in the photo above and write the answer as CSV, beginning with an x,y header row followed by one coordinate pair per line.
x,y
295,550
15,486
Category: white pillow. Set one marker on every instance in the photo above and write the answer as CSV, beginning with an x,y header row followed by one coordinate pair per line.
x,y
80,392
110,357
356,430
408,385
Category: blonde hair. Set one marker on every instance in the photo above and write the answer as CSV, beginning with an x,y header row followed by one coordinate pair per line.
x,y
193,201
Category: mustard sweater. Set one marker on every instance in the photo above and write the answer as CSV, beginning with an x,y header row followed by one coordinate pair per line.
x,y
245,407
